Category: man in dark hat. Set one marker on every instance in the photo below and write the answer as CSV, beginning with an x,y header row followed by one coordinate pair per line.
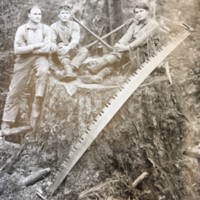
x,y
139,41
65,43
32,47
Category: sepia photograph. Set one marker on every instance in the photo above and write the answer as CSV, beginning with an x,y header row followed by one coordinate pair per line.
x,y
99,100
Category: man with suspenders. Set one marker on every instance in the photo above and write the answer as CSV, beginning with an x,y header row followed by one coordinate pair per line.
x,y
32,47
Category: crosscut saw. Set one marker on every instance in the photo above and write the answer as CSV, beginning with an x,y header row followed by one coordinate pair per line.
x,y
112,107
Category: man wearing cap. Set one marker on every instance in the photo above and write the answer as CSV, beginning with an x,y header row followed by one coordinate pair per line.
x,y
139,41
32,47
65,42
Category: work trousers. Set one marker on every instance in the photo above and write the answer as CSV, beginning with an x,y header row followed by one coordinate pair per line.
x,y
24,66
113,57
76,57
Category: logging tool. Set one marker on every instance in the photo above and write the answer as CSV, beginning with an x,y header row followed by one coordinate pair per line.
x,y
91,32
128,22
112,108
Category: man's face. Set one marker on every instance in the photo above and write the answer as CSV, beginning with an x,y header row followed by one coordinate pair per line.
x,y
64,15
35,15
141,14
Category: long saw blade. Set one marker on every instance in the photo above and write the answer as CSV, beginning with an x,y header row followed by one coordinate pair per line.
x,y
112,108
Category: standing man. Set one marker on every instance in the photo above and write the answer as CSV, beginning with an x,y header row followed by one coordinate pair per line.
x,y
139,41
32,47
65,42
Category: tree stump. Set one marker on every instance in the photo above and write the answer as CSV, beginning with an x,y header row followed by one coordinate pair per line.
x,y
68,109
146,135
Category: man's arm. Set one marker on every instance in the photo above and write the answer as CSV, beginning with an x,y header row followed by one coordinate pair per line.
x,y
54,46
75,37
47,42
143,38
20,46
127,36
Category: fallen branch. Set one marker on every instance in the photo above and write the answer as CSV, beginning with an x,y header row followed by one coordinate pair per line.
x,y
34,177
192,153
15,131
139,179
98,187
157,80
166,66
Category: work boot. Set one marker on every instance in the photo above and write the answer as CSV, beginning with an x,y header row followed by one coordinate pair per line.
x,y
36,109
95,66
98,78
69,74
60,75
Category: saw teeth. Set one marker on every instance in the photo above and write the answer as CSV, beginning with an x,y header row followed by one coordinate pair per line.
x,y
101,113
81,139
87,131
122,88
73,150
93,122
65,163
56,173
68,158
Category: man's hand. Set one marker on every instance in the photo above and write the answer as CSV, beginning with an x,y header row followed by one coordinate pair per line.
x,y
121,48
62,50
44,50
38,45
